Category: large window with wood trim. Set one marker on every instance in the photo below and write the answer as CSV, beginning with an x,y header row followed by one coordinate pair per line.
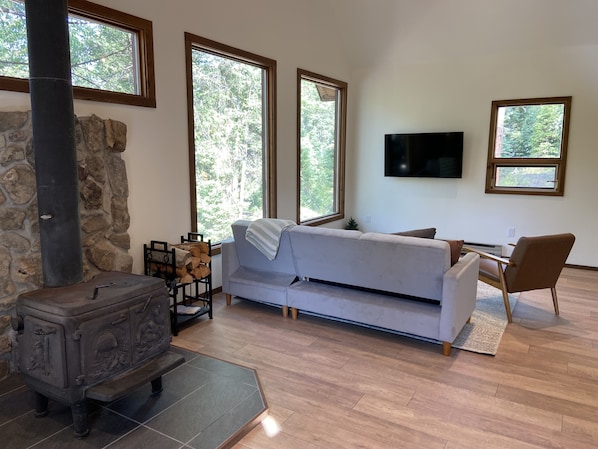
x,y
111,53
321,115
527,150
231,110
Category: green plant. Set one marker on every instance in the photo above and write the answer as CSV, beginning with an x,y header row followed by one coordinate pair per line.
x,y
352,224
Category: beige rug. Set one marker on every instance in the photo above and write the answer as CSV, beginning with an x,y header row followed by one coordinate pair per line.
x,y
488,322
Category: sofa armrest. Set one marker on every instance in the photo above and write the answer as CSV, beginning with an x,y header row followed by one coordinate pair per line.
x,y
230,262
459,291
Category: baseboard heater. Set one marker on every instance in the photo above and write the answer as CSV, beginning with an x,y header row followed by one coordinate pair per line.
x,y
489,248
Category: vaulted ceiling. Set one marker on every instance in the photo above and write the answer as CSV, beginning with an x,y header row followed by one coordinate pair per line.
x,y
422,30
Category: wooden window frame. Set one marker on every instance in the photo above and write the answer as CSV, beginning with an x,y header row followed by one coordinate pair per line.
x,y
140,27
559,163
342,86
194,42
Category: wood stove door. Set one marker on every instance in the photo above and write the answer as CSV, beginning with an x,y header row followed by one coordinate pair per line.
x,y
150,328
42,351
105,346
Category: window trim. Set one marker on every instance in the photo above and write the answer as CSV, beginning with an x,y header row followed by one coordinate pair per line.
x,y
141,27
341,147
193,42
559,163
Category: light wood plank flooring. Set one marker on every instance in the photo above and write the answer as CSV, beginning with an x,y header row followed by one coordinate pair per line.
x,y
335,386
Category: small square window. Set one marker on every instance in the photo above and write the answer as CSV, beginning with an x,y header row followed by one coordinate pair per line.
x,y
528,146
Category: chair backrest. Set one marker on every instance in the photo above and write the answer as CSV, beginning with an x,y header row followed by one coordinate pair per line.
x,y
538,262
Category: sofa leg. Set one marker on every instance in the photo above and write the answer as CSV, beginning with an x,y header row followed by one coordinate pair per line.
x,y
229,299
285,311
294,313
468,320
446,348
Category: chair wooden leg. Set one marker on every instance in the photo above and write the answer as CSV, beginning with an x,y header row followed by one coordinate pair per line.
x,y
555,301
505,295
294,313
285,311
228,299
505,298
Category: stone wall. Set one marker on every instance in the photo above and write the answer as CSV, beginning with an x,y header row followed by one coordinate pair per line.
x,y
103,207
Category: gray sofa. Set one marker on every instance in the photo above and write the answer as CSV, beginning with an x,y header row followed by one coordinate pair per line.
x,y
396,283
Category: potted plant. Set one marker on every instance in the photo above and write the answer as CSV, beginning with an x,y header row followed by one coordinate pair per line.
x,y
352,225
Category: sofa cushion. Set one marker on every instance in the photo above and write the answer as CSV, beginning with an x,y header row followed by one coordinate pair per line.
x,y
263,286
250,257
318,252
391,263
456,247
369,308
426,233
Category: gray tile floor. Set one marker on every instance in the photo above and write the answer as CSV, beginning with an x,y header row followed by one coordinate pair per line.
x,y
206,404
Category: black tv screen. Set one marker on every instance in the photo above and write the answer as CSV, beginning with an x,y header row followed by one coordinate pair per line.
x,y
426,155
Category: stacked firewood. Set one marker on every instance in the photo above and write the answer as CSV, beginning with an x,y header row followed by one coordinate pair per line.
x,y
192,262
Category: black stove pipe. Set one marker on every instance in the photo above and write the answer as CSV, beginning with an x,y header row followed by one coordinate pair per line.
x,y
54,142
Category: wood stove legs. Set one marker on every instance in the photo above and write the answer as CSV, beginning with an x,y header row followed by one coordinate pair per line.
x,y
112,390
157,386
41,405
80,426
78,411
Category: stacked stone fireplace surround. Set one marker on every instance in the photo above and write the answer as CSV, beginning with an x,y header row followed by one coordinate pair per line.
x,y
103,190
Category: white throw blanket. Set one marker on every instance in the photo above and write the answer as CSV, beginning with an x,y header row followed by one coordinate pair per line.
x,y
265,233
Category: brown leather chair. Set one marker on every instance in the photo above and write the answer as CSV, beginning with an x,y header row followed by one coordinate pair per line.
x,y
535,263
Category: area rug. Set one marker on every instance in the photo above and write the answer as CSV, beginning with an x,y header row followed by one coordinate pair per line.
x,y
488,322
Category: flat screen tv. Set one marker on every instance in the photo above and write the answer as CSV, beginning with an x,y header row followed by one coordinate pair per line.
x,y
425,155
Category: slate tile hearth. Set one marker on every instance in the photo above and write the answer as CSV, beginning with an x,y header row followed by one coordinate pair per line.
x,y
206,404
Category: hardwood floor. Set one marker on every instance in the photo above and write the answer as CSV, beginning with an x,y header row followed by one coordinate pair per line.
x,y
331,385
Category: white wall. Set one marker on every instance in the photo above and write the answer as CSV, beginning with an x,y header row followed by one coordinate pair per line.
x,y
292,33
440,72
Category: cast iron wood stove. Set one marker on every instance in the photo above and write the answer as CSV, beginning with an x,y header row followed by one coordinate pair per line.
x,y
99,340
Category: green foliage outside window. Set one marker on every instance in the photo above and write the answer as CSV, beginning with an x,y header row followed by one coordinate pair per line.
x,y
13,35
102,56
531,131
318,153
229,143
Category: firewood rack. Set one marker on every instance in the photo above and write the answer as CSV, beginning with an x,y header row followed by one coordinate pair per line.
x,y
190,296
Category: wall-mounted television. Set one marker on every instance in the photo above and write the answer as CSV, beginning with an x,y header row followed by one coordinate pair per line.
x,y
425,155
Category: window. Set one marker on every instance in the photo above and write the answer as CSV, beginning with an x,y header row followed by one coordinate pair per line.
x,y
231,110
321,128
527,151
111,53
